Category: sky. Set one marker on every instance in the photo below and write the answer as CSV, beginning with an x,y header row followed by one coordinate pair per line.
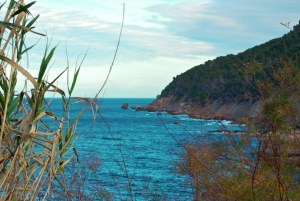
x,y
160,39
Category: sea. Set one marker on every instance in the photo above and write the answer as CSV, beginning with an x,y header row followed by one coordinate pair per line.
x,y
135,152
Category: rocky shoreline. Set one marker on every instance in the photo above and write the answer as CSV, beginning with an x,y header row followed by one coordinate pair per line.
x,y
216,110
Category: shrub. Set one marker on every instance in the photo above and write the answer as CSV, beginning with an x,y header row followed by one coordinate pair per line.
x,y
261,162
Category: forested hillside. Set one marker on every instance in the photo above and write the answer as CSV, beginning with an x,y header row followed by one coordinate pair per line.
x,y
223,79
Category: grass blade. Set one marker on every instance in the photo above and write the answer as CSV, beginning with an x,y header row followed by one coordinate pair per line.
x,y
8,24
74,81
12,106
32,21
23,8
61,167
11,4
44,64
2,5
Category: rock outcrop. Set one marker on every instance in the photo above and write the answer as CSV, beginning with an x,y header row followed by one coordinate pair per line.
x,y
138,108
215,110
125,106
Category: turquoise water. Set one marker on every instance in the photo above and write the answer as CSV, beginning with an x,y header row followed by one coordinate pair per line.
x,y
137,148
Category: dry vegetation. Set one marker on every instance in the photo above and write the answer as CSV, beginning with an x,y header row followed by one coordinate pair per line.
x,y
260,163
34,152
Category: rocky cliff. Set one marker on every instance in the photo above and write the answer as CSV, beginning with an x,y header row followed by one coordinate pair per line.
x,y
215,110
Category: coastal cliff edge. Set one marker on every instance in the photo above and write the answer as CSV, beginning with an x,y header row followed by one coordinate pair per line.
x,y
216,110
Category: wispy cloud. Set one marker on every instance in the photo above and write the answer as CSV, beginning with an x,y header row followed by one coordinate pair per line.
x,y
138,42
230,26
173,35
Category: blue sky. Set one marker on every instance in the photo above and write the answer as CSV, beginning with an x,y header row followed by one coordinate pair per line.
x,y
161,38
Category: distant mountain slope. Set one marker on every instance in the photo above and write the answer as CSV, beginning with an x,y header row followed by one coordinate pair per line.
x,y
222,77
222,82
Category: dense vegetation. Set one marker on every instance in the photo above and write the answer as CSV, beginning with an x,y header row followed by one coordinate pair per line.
x,y
223,78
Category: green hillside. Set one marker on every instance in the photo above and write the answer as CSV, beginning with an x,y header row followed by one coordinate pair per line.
x,y
222,78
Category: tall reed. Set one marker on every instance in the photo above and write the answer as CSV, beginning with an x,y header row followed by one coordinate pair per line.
x,y
34,152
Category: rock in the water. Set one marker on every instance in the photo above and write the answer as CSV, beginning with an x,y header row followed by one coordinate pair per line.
x,y
125,106
138,108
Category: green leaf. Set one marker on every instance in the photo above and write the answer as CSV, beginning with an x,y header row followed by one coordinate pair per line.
x,y
27,49
41,109
60,143
2,101
12,106
32,21
30,24
11,4
69,137
13,82
74,81
61,167
23,8
4,85
44,64
20,52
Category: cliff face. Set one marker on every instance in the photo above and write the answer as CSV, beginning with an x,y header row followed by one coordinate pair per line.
x,y
215,110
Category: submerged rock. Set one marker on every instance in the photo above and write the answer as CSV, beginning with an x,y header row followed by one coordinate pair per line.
x,y
137,108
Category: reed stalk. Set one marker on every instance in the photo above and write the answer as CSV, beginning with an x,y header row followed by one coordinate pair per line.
x,y
33,152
